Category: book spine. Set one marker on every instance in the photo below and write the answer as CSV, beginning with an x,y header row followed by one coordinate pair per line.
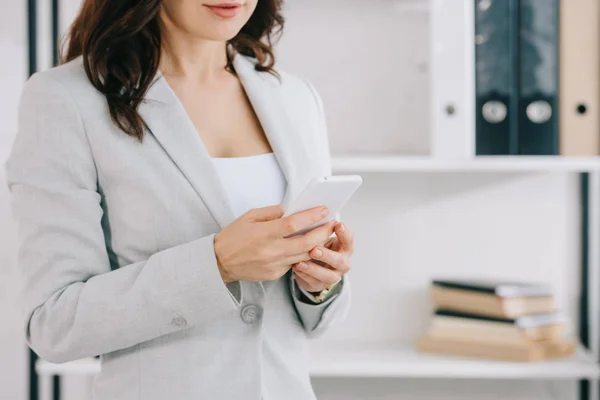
x,y
441,312
452,78
538,104
464,286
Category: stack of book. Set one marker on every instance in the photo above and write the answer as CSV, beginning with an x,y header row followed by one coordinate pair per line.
x,y
505,321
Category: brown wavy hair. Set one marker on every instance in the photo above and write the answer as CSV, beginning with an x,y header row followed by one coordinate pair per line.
x,y
120,42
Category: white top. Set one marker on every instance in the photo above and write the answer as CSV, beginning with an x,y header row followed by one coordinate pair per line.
x,y
251,182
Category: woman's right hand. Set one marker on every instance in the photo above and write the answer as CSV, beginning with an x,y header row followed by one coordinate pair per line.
x,y
255,246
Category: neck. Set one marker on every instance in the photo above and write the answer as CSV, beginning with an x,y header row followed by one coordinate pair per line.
x,y
186,56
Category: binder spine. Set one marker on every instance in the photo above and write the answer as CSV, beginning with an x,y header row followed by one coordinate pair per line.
x,y
538,108
452,78
497,76
515,50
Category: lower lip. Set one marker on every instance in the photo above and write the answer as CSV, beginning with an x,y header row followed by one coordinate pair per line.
x,y
225,12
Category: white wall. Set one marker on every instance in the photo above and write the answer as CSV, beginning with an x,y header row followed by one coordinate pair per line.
x,y
369,61
13,366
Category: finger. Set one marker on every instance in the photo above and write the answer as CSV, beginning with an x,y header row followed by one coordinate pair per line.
x,y
296,258
297,248
330,242
346,238
322,274
308,283
314,285
293,260
336,260
316,237
295,222
265,213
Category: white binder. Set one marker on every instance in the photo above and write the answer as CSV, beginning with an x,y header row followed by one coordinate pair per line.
x,y
452,78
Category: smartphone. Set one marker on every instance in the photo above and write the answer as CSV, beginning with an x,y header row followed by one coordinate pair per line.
x,y
332,192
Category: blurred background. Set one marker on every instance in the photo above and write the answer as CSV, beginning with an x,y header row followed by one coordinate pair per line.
x,y
474,124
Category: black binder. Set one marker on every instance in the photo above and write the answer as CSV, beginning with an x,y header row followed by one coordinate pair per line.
x,y
496,80
539,79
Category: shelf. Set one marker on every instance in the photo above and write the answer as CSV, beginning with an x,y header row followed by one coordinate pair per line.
x,y
86,366
385,163
398,362
405,362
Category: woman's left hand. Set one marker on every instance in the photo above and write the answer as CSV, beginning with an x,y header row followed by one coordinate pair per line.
x,y
329,262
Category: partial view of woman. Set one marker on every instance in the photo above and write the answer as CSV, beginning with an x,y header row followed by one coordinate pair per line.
x,y
147,178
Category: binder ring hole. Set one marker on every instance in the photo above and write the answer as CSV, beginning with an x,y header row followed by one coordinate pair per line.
x,y
450,109
581,109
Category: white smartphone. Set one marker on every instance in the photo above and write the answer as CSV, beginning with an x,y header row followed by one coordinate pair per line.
x,y
332,192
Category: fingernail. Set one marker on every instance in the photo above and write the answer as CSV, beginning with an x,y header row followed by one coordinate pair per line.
x,y
324,212
342,228
301,266
318,253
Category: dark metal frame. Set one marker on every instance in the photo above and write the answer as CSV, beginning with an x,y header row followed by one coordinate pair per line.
x,y
584,336
55,29
32,68
32,50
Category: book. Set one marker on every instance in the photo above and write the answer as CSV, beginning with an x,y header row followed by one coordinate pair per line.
x,y
496,77
448,324
452,76
579,77
538,83
499,288
491,298
522,352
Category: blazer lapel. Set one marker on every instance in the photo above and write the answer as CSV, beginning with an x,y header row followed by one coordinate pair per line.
x,y
264,92
168,121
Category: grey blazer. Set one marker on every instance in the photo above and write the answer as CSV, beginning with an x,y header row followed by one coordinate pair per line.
x,y
116,243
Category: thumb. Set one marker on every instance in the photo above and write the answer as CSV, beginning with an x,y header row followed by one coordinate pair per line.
x,y
265,213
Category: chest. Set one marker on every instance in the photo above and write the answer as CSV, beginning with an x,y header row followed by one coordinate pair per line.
x,y
166,191
223,118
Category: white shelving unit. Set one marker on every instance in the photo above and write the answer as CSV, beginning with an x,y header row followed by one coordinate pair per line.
x,y
84,367
391,361
359,163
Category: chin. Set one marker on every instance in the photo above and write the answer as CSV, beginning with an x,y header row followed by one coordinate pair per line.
x,y
220,33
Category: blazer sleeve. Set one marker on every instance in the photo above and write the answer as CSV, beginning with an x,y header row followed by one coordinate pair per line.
x,y
74,304
317,318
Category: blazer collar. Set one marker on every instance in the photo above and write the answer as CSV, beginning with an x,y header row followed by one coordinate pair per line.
x,y
265,95
169,123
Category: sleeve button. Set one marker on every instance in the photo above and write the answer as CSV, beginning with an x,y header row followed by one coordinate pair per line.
x,y
179,322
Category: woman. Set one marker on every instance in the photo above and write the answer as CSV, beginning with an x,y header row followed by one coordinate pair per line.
x,y
147,175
